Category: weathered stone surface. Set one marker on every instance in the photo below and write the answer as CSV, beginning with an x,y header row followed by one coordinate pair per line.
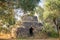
x,y
29,18
27,22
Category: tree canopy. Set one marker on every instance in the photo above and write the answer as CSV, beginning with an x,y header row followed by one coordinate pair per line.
x,y
52,8
51,11
6,12
28,5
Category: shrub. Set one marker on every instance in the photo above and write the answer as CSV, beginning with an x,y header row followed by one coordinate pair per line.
x,y
53,34
4,30
49,30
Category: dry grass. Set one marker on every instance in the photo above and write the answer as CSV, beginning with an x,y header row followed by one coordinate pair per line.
x,y
4,36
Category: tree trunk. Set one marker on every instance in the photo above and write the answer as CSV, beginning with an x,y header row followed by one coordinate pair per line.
x,y
55,22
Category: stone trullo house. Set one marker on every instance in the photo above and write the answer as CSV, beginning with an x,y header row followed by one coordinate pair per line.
x,y
27,22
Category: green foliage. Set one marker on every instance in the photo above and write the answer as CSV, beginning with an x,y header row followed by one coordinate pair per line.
x,y
48,27
4,30
0,29
53,34
2,0
50,30
11,21
39,11
8,18
52,8
32,13
51,11
7,13
28,5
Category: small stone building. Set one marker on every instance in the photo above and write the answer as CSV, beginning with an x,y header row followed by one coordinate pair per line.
x,y
27,22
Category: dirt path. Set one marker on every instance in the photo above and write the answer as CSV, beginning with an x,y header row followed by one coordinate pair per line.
x,y
4,36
